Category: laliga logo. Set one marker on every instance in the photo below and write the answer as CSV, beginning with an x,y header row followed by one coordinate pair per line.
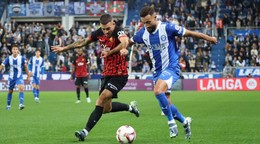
x,y
251,84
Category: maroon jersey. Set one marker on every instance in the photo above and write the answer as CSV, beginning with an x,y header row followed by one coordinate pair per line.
x,y
80,64
115,64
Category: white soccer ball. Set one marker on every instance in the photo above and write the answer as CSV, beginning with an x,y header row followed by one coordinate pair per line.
x,y
125,134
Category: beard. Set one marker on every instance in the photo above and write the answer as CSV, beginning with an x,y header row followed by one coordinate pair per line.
x,y
151,29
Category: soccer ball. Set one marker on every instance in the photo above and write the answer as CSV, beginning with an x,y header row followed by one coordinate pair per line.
x,y
125,134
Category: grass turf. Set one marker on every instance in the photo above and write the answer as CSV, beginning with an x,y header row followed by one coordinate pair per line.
x,y
218,117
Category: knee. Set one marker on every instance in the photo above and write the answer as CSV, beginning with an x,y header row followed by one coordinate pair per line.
x,y
158,91
107,109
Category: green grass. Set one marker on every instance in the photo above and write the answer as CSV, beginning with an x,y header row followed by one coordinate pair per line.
x,y
218,118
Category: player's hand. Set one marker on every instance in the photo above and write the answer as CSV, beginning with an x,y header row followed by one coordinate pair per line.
x,y
124,52
104,54
57,49
214,40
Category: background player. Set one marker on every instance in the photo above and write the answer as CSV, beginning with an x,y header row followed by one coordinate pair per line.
x,y
16,64
160,39
114,76
36,68
80,68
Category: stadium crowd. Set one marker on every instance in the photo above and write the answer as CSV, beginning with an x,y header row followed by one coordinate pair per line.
x,y
195,55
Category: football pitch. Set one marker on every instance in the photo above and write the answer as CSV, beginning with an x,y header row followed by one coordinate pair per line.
x,y
218,118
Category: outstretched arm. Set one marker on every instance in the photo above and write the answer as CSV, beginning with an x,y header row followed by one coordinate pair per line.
x,y
200,36
77,44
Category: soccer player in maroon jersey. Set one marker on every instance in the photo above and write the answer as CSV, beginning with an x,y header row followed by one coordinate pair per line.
x,y
80,68
114,44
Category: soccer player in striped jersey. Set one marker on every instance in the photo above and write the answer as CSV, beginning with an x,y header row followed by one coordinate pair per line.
x,y
36,68
16,64
114,44
159,37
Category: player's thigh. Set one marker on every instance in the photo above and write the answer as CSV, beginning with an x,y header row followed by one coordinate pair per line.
x,y
115,84
104,97
169,76
20,84
78,81
11,83
85,82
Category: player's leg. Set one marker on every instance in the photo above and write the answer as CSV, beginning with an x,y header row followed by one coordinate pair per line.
x,y
20,85
186,122
77,84
159,91
104,97
37,89
10,93
115,85
85,85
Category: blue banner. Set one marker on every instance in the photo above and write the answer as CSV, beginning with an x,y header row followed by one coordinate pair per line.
x,y
49,9
17,10
59,8
34,9
79,8
246,72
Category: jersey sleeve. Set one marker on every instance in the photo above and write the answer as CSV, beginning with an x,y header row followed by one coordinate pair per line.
x,y
23,61
94,35
175,30
6,61
138,37
119,32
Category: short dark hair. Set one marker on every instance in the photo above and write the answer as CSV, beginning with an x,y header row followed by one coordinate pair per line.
x,y
105,18
38,50
15,45
147,10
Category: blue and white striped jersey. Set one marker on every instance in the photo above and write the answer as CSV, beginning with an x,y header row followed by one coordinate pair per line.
x,y
36,66
161,44
16,66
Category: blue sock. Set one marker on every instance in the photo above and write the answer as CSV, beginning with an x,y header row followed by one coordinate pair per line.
x,y
9,99
177,115
37,92
21,97
34,92
164,105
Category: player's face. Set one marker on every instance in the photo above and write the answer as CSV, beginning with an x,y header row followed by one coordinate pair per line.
x,y
37,53
80,51
15,51
149,22
108,28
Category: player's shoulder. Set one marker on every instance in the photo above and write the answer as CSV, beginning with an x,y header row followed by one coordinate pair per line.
x,y
118,31
140,31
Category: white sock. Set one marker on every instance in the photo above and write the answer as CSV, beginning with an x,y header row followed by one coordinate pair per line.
x,y
130,108
85,131
171,122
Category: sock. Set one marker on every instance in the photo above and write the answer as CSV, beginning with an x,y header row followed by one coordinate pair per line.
x,y
86,91
78,93
117,106
94,118
37,92
9,99
34,92
177,115
165,106
21,97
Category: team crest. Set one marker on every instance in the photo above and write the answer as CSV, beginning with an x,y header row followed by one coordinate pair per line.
x,y
163,37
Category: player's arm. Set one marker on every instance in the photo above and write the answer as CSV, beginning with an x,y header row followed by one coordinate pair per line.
x,y
30,66
122,46
27,71
74,45
73,67
43,69
199,35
